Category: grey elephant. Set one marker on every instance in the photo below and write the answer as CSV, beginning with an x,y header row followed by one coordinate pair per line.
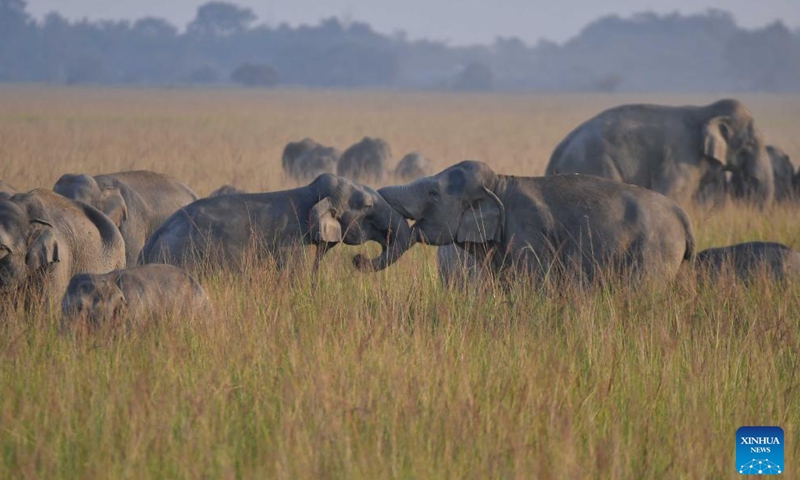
x,y
6,190
672,150
225,190
323,213
555,227
459,268
365,160
307,159
749,260
46,238
132,297
782,172
138,202
412,166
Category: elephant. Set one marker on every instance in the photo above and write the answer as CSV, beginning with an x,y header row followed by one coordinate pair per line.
x,y
413,166
783,173
323,213
749,260
225,190
548,227
365,160
458,268
132,297
306,159
672,150
46,238
138,202
6,190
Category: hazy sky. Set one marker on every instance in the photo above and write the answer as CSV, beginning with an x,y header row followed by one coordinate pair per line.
x,y
458,21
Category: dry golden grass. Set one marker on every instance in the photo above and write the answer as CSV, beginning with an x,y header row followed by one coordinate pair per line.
x,y
387,375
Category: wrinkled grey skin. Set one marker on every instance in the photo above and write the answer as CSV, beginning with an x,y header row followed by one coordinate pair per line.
x,y
46,238
225,190
307,159
783,174
671,150
749,260
547,225
413,166
365,160
138,202
6,190
132,297
328,211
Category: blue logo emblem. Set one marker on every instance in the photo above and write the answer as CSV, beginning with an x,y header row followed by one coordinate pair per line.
x,y
759,450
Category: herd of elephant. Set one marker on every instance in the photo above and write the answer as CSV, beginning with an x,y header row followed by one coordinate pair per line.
x,y
125,246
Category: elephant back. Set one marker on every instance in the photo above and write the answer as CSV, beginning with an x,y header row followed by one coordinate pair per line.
x,y
365,160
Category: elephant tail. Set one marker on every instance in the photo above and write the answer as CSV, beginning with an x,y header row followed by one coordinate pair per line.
x,y
691,251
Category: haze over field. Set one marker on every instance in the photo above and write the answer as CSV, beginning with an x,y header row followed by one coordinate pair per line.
x,y
511,47
459,22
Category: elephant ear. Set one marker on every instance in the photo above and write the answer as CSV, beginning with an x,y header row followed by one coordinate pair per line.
x,y
715,138
113,205
44,248
322,225
482,222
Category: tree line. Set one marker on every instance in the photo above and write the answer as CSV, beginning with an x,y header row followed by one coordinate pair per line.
x,y
225,44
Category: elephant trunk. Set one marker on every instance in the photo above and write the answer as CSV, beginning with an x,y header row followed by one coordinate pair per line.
x,y
393,246
409,200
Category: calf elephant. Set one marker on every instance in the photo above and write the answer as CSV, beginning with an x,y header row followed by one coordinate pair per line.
x,y
546,226
132,297
748,260
365,160
672,150
327,211
138,202
46,238
307,159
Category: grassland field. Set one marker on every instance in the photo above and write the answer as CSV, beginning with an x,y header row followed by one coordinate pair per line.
x,y
388,375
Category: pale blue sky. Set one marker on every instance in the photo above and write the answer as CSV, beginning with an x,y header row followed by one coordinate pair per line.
x,y
458,21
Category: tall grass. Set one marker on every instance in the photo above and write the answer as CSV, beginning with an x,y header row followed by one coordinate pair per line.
x,y
348,375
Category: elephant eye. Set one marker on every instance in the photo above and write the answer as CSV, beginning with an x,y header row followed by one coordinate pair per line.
x,y
434,194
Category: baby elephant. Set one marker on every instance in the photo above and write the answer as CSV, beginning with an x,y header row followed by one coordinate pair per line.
x,y
132,296
748,260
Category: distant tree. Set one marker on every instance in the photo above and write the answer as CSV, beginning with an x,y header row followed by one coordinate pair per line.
x,y
221,19
154,28
204,74
85,69
253,75
17,39
474,77
608,83
765,59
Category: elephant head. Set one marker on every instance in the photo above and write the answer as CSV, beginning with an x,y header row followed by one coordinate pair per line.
x,y
28,242
457,205
730,137
85,188
354,214
95,299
